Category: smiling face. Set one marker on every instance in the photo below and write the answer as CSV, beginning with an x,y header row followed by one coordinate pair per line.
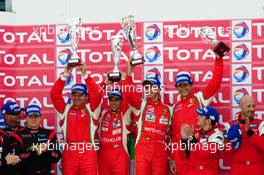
x,y
115,104
33,121
78,98
184,89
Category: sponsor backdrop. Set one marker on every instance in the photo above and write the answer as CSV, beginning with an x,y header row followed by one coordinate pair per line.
x,y
33,57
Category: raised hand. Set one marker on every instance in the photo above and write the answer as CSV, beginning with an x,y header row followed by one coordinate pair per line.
x,y
82,67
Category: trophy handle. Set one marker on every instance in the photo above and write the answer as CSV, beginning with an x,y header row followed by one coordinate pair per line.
x,y
132,39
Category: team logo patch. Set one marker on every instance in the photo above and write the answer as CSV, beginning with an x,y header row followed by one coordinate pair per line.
x,y
178,108
163,120
150,117
255,125
203,140
104,129
191,100
117,131
42,139
116,124
105,123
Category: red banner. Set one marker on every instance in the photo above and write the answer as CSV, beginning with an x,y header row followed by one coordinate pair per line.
x,y
33,57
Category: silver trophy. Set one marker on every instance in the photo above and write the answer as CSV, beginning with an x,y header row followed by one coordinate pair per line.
x,y
116,44
208,36
74,27
129,29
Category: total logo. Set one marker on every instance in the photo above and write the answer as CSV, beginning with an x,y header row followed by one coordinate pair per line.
x,y
149,71
63,56
62,35
153,54
239,92
241,74
241,30
153,32
154,71
241,52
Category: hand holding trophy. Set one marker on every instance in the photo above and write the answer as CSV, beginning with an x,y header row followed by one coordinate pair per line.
x,y
116,44
129,29
74,27
208,36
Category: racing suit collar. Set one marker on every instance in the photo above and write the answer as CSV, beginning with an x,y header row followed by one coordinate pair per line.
x,y
116,113
78,107
33,131
189,96
151,102
241,120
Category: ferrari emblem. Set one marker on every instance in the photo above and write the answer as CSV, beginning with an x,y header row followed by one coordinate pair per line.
x,y
164,111
83,110
191,100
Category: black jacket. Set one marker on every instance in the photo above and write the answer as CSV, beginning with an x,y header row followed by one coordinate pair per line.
x,y
24,142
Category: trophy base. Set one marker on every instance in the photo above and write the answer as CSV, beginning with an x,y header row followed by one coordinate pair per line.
x,y
114,76
137,61
74,62
221,49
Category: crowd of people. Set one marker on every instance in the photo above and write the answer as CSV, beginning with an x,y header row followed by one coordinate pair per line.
x,y
185,138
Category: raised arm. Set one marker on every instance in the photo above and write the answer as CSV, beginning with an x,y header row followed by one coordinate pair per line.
x,y
95,93
216,81
133,97
56,91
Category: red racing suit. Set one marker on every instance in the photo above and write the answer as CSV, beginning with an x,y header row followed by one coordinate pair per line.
x,y
113,157
249,157
78,126
153,123
203,152
184,111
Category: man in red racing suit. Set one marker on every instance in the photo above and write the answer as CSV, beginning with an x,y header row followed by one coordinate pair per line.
x,y
79,122
203,144
184,110
115,121
153,120
247,156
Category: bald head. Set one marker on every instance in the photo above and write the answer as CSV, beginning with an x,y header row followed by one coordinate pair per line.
x,y
246,99
247,106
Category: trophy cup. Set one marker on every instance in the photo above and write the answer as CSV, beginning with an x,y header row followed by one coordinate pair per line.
x,y
74,26
208,36
116,44
129,29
